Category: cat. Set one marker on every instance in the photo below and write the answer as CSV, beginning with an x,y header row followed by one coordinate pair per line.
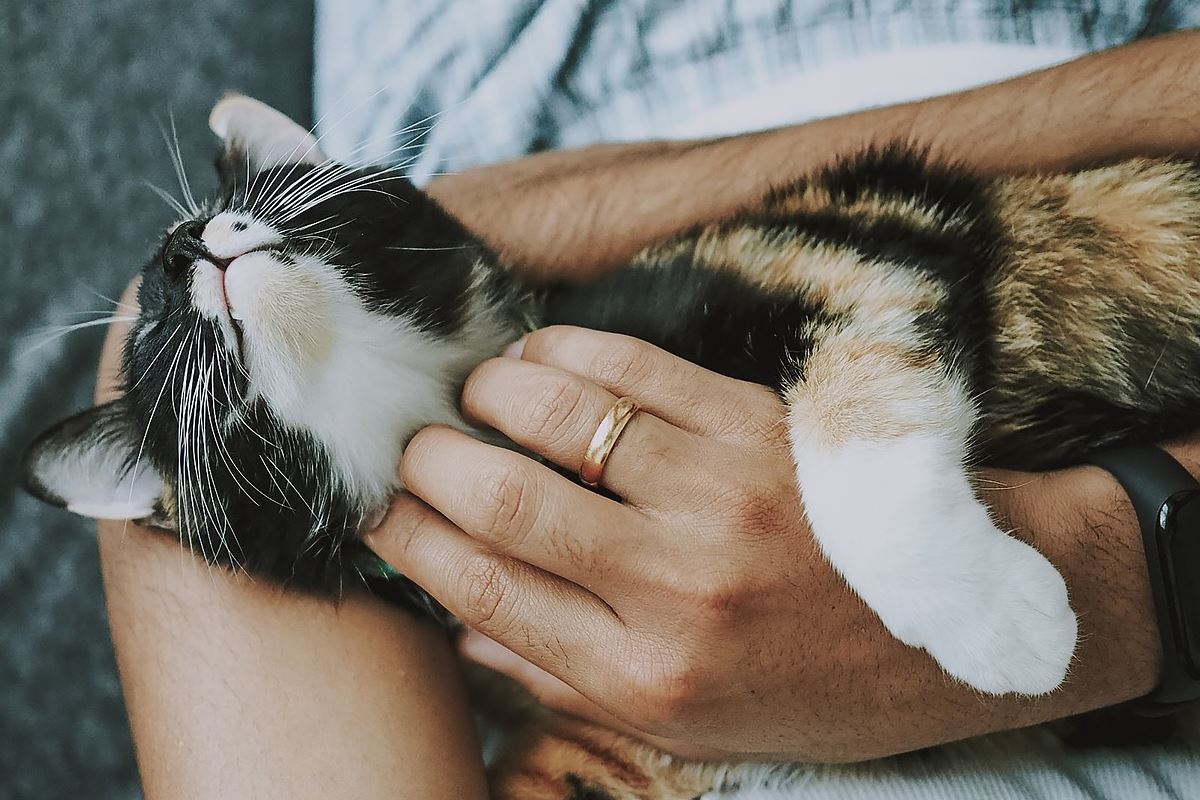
x,y
916,320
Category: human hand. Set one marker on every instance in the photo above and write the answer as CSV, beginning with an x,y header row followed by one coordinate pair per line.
x,y
697,612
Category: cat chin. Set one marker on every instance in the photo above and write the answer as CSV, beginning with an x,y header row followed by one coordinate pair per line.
x,y
358,381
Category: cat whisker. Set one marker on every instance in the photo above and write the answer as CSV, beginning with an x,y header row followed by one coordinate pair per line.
x,y
1166,346
172,142
208,421
311,183
53,334
226,378
430,249
206,520
167,198
154,409
315,144
147,371
303,187
360,184
288,481
93,312
114,302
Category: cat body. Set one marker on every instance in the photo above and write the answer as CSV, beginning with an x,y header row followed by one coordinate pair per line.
x,y
916,321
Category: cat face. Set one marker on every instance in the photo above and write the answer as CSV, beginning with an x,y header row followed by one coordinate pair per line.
x,y
293,333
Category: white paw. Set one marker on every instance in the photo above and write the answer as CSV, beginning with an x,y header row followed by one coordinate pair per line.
x,y
1012,631
926,557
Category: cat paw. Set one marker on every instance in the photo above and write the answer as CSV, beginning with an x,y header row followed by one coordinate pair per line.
x,y
1010,632
925,556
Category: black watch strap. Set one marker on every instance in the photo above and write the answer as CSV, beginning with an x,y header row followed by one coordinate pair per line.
x,y
1166,499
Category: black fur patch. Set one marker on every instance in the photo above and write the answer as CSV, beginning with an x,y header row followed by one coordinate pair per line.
x,y
1069,424
713,318
904,172
577,789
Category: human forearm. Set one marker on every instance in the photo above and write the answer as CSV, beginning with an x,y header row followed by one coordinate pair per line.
x,y
580,211
236,689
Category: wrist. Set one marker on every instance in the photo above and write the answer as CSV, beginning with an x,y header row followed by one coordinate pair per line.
x,y
1083,522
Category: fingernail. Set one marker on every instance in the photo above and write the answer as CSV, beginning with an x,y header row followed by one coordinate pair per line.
x,y
515,349
373,520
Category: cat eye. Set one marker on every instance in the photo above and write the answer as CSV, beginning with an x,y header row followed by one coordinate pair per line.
x,y
183,247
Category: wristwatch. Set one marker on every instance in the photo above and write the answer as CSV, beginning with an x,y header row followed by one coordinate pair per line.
x,y
1166,499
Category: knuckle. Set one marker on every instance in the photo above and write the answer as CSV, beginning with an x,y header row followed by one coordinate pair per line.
x,y
754,509
720,602
624,363
559,399
502,511
549,345
754,414
667,691
715,600
487,591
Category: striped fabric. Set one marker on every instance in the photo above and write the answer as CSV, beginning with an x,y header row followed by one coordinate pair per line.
x,y
507,77
502,78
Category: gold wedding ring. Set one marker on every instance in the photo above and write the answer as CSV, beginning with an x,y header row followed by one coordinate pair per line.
x,y
604,440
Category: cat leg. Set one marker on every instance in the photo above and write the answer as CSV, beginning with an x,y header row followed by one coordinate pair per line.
x,y
574,760
879,428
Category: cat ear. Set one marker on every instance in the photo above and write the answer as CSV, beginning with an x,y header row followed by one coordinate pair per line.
x,y
266,136
88,464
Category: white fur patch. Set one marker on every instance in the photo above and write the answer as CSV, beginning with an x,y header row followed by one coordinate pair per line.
x,y
208,293
361,383
93,482
231,233
228,235
899,520
208,297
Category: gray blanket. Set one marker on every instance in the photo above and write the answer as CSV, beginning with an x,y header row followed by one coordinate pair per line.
x,y
81,85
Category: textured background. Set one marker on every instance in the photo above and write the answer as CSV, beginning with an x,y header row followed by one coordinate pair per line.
x,y
82,84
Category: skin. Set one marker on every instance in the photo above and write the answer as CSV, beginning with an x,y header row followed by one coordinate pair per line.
x,y
699,610
664,646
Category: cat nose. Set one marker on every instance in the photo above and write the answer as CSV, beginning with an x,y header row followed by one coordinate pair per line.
x,y
185,247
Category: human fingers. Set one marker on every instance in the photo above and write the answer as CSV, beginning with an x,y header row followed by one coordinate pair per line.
x,y
670,388
515,506
556,413
555,624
